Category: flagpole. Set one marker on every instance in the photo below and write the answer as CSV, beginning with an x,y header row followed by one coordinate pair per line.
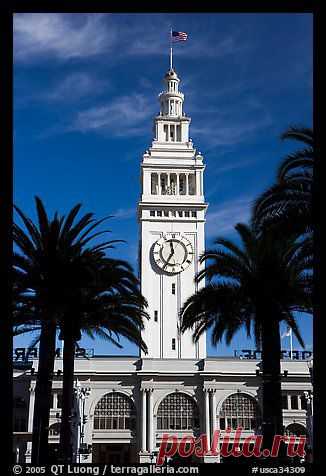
x,y
291,345
171,63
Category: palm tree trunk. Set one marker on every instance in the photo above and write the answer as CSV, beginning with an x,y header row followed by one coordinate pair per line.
x,y
67,398
272,397
43,391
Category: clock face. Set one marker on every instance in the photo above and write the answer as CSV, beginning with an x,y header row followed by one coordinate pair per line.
x,y
173,253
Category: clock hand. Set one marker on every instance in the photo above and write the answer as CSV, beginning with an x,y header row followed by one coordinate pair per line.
x,y
167,261
177,246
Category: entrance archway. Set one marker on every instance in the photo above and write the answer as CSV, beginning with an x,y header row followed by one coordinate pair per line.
x,y
114,427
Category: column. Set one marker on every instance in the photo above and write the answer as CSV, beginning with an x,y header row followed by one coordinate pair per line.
x,y
55,399
28,453
143,419
213,411
197,178
187,184
168,182
207,423
299,403
31,408
201,183
178,191
159,183
150,421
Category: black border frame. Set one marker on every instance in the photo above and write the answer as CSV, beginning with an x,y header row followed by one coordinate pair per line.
x,y
6,178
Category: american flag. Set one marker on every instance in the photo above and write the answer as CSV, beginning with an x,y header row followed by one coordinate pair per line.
x,y
179,36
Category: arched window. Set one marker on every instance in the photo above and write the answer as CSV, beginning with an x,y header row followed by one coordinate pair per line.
x,y
173,184
115,411
154,184
164,183
239,410
182,184
177,411
54,430
192,184
295,429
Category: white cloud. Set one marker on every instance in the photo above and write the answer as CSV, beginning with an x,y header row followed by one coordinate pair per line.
x,y
223,218
229,166
197,46
124,213
75,86
125,115
63,36
75,35
218,132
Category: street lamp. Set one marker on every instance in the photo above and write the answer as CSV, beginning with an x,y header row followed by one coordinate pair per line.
x,y
81,393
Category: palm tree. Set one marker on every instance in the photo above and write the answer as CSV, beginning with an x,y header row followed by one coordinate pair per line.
x,y
254,286
37,269
107,303
49,268
111,306
288,203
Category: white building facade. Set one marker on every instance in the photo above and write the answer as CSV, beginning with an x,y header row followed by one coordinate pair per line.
x,y
124,405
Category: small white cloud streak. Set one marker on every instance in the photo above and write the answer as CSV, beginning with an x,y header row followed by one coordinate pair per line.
x,y
223,218
215,134
123,116
75,86
124,213
230,166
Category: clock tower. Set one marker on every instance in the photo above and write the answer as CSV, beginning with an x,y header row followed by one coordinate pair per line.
x,y
171,214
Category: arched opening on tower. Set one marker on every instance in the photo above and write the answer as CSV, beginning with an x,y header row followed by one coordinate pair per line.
x,y
192,184
164,183
154,184
182,184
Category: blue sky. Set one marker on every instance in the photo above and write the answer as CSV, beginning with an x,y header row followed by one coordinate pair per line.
x,y
85,93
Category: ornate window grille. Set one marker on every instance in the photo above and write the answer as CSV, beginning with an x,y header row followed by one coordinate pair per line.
x,y
239,410
115,411
177,412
